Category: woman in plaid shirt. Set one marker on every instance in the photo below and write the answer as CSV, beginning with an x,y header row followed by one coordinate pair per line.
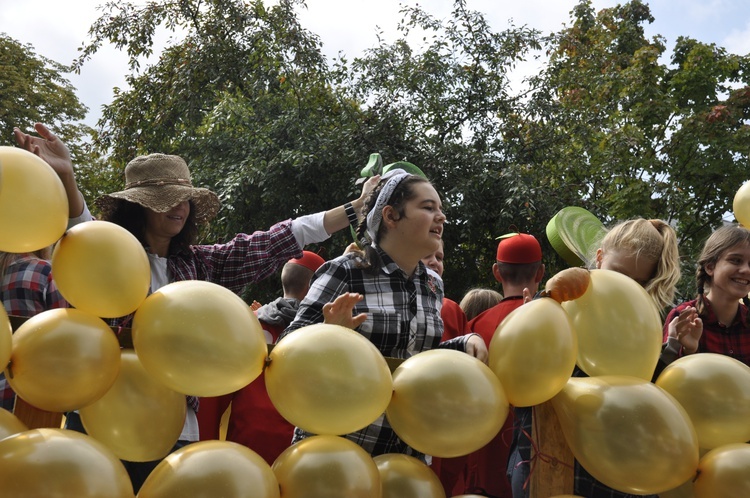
x,y
386,293
26,288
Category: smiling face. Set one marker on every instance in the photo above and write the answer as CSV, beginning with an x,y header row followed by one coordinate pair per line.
x,y
418,231
730,274
169,224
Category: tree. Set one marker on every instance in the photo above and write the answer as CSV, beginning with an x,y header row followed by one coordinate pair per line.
x,y
34,89
247,98
452,97
616,131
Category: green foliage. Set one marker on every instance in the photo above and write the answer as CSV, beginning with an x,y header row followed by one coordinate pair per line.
x,y
34,89
245,95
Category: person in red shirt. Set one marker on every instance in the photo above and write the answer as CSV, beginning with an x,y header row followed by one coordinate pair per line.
x,y
519,269
253,420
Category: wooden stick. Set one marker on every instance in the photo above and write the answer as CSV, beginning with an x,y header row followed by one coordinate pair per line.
x,y
553,469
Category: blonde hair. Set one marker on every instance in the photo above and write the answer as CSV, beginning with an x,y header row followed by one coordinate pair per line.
x,y
8,258
479,299
656,241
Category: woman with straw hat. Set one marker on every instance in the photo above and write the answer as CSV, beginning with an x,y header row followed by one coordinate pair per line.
x,y
162,208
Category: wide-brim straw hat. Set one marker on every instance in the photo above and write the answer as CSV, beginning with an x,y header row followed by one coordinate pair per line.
x,y
160,182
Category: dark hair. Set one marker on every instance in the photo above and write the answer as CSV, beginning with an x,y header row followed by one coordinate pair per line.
x,y
132,217
518,273
717,244
403,193
295,280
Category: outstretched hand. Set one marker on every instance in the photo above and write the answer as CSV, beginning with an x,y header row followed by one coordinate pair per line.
x,y
476,347
339,312
55,153
48,147
687,328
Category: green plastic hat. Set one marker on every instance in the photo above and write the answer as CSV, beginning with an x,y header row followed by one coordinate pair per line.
x,y
575,234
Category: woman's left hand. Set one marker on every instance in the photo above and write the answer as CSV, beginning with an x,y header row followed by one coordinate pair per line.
x,y
476,347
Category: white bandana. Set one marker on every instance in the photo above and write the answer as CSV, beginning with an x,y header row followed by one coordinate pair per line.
x,y
375,216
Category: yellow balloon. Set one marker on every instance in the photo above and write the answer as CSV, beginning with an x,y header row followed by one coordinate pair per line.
x,y
533,352
404,476
741,204
628,433
211,469
618,327
714,389
327,467
446,403
724,472
138,418
199,338
101,268
33,204
63,359
347,383
60,463
10,424
685,490
6,338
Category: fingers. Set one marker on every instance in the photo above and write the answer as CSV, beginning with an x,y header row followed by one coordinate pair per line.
x,y
45,132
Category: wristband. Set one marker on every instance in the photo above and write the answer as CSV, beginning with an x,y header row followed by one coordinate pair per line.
x,y
351,214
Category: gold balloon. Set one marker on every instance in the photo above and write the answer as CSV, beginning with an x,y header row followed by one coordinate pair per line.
x,y
328,379
60,463
618,327
327,467
63,359
199,338
404,476
628,433
101,268
33,203
6,338
209,469
724,472
741,204
10,424
446,403
533,352
139,418
714,389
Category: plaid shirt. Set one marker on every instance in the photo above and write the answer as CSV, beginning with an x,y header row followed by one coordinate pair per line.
x,y
732,340
403,318
27,289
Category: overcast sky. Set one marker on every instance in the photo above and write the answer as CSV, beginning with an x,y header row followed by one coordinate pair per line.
x,y
57,28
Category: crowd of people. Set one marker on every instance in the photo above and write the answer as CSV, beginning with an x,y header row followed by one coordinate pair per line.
x,y
389,288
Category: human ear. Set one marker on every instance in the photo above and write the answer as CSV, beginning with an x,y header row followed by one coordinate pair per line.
x,y
599,257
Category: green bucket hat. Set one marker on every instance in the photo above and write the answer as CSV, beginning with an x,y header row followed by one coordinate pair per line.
x,y
575,234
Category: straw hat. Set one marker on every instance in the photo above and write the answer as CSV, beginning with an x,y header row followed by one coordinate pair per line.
x,y
159,182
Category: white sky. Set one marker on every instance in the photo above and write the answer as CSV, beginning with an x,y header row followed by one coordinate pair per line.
x,y
57,28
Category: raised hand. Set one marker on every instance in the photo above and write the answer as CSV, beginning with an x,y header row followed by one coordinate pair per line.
x,y
55,153
687,328
339,312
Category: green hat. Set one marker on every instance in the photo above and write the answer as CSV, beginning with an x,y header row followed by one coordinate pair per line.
x,y
575,234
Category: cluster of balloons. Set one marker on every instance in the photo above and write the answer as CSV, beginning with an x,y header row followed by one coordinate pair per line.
x,y
197,338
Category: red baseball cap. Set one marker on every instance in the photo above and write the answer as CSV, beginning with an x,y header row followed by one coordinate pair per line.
x,y
309,260
519,248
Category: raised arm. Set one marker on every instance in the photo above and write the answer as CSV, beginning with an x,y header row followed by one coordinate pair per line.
x,y
55,153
